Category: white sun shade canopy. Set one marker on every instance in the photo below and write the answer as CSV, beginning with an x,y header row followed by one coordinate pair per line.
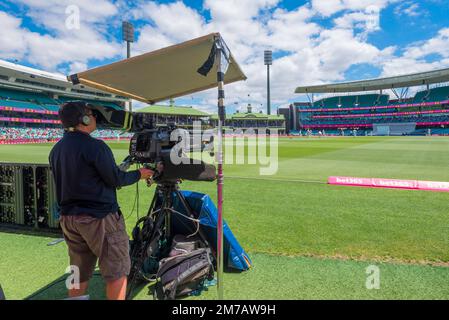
x,y
162,74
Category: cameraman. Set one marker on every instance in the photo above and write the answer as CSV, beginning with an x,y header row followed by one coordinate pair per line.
x,y
86,178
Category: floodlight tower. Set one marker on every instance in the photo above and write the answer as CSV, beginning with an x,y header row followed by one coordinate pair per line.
x,y
268,58
128,37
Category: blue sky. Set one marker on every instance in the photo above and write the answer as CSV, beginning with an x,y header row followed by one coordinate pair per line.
x,y
313,42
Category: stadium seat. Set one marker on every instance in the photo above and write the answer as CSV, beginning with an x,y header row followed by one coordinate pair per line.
x,y
332,102
15,95
20,104
382,100
419,96
433,95
14,133
438,94
364,100
367,100
348,101
63,99
50,107
9,94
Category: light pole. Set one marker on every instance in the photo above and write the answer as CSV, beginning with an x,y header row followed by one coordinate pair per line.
x,y
128,37
268,59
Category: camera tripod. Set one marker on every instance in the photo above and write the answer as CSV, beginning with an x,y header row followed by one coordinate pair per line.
x,y
156,228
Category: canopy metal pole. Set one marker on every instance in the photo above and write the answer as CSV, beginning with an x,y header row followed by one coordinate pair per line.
x,y
220,178
128,36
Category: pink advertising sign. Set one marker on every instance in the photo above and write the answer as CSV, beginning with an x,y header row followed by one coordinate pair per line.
x,y
390,183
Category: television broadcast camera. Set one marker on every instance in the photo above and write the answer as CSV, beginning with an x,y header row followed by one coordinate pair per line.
x,y
152,145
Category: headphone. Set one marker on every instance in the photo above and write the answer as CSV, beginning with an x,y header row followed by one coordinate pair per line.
x,y
85,119
82,109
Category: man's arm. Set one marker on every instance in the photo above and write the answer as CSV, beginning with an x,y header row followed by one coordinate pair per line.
x,y
109,171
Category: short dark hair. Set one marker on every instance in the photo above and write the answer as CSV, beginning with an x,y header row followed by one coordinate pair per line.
x,y
71,113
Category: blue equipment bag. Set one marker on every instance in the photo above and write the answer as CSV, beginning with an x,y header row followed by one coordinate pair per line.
x,y
2,295
205,210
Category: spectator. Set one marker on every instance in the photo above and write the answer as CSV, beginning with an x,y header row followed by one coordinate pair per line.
x,y
14,133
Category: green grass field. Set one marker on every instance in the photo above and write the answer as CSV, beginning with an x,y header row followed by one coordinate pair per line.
x,y
307,239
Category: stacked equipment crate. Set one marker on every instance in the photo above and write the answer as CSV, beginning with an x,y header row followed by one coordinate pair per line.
x,y
27,196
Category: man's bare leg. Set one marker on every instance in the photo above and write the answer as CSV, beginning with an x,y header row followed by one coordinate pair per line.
x,y
116,290
79,292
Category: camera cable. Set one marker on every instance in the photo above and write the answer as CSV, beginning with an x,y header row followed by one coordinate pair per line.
x,y
136,201
197,221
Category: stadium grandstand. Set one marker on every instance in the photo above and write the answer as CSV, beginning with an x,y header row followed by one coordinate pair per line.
x,y
259,122
182,116
365,108
30,100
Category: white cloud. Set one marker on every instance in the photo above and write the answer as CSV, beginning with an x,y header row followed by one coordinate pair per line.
x,y
227,11
149,39
305,53
309,53
438,45
53,13
338,49
328,8
12,41
189,24
413,59
405,65
291,31
76,67
367,22
64,43
409,8
177,21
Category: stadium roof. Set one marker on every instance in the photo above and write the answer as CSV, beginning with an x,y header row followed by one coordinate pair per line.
x,y
6,65
250,116
165,73
172,110
15,76
411,80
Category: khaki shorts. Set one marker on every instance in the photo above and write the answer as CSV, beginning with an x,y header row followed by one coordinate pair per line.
x,y
89,239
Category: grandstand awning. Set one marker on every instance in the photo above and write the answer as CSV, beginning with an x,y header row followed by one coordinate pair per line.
x,y
411,80
162,74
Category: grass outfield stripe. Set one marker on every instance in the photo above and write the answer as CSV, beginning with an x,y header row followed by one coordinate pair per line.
x,y
294,213
372,259
22,275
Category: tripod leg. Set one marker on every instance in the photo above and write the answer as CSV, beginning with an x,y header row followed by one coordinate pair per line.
x,y
153,203
169,204
138,252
